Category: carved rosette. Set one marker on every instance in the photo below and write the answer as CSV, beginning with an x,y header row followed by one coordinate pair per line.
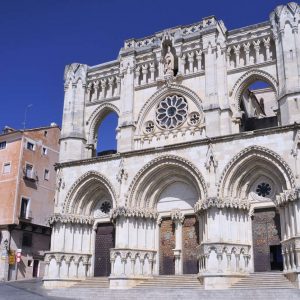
x,y
70,218
228,202
129,212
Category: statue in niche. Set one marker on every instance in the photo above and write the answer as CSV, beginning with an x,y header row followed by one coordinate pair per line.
x,y
169,62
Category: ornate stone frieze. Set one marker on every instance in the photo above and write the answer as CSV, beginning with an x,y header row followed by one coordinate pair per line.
x,y
287,196
68,257
131,212
220,248
132,253
70,218
227,202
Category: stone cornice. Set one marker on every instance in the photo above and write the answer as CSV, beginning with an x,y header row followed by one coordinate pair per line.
x,y
205,141
70,218
287,196
129,212
207,203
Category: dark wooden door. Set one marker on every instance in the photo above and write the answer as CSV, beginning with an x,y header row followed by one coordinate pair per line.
x,y
35,268
105,240
266,240
190,241
167,244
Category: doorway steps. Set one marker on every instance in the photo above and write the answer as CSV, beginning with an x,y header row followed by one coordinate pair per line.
x,y
171,281
264,280
93,282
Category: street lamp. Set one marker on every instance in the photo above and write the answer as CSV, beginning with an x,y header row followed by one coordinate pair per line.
x,y
25,115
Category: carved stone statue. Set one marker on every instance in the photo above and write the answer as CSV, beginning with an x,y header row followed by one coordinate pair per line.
x,y
169,62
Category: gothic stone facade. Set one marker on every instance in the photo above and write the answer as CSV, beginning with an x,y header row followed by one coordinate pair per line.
x,y
206,175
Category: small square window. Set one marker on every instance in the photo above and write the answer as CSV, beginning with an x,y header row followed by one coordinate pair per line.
x,y
30,146
29,263
45,151
6,168
2,145
46,174
45,133
29,171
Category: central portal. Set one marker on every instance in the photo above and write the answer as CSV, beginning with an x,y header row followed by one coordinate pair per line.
x,y
105,240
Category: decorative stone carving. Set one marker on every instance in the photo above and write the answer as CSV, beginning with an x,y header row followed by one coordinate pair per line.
x,y
70,218
207,203
129,212
122,174
177,215
287,196
210,158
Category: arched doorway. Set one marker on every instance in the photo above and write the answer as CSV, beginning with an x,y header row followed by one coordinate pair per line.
x,y
179,239
257,175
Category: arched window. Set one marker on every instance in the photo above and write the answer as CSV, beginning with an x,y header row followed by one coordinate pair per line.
x,y
106,135
259,106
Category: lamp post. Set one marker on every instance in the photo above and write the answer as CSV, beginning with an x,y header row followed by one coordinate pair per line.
x,y
25,115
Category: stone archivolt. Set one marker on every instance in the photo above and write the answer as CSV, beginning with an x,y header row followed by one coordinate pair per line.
x,y
168,162
278,165
79,185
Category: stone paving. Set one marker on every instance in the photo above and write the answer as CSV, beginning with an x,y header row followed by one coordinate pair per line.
x,y
33,290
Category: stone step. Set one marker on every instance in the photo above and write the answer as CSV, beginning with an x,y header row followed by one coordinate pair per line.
x,y
169,281
93,282
171,294
265,280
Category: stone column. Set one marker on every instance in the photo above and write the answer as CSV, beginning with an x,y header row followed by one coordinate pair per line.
x,y
178,218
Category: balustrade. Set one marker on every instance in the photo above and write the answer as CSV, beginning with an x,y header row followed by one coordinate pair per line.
x,y
132,262
249,53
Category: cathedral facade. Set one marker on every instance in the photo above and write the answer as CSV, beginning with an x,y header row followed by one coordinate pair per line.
x,y
205,179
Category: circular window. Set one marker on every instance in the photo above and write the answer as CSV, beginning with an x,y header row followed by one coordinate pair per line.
x,y
105,207
263,189
171,112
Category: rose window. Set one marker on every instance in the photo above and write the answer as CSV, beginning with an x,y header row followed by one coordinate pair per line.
x,y
171,112
263,189
105,207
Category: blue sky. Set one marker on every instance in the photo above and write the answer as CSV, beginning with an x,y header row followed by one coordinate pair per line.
x,y
39,37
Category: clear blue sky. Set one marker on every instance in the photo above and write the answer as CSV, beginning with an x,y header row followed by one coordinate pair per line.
x,y
39,37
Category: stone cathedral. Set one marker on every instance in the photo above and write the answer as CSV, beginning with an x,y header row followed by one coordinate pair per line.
x,y
205,179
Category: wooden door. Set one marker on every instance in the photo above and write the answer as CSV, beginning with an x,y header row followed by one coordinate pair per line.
x,y
103,243
190,242
266,240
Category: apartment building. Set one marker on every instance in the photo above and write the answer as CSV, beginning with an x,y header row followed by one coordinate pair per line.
x,y
27,190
